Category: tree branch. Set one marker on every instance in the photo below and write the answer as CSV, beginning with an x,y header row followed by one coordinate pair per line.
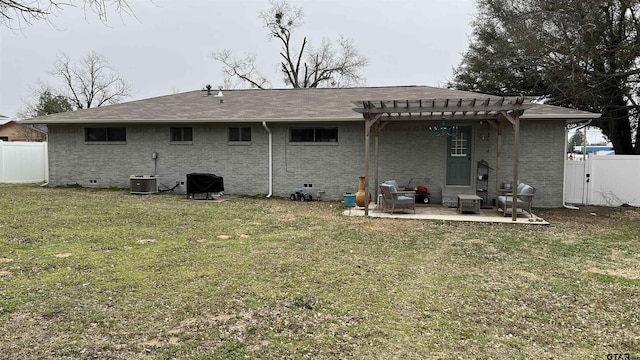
x,y
324,67
14,13
93,83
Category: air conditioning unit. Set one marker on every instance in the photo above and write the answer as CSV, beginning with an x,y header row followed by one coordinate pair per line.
x,y
144,184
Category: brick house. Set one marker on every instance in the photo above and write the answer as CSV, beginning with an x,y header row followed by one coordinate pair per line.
x,y
12,131
272,141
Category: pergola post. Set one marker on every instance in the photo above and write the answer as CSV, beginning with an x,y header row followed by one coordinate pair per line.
x,y
515,121
498,126
368,123
516,163
500,129
376,151
377,129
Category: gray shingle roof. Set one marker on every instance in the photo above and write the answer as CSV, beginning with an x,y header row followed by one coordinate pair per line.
x,y
326,104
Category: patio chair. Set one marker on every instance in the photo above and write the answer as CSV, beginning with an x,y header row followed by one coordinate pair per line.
x,y
395,200
394,183
524,198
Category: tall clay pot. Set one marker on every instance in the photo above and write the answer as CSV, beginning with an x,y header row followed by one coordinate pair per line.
x,y
361,196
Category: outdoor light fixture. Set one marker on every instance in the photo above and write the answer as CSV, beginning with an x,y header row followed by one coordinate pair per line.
x,y
444,129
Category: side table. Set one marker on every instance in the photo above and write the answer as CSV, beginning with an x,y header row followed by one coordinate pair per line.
x,y
469,203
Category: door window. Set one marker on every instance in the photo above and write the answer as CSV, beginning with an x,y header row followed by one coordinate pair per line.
x,y
459,144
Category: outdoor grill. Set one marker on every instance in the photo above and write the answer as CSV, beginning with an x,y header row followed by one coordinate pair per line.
x,y
204,183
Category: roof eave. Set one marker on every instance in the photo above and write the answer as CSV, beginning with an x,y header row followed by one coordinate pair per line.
x,y
567,117
193,121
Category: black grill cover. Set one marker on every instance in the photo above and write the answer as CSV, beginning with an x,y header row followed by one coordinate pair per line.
x,y
204,183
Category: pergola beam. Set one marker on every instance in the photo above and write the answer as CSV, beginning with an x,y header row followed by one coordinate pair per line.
x,y
508,117
436,109
438,117
440,106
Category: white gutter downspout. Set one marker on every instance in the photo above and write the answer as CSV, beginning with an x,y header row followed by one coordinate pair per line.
x,y
264,125
564,176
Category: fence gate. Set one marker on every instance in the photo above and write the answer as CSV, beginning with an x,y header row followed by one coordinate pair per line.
x,y
575,175
613,180
603,180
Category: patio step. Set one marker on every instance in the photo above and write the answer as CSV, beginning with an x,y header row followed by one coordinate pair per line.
x,y
450,194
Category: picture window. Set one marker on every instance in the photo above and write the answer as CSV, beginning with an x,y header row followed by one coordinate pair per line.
x,y
314,134
109,134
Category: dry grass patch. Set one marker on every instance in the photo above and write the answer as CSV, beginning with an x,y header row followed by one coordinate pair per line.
x,y
159,277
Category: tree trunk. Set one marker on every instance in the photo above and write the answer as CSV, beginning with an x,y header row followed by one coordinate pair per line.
x,y
614,123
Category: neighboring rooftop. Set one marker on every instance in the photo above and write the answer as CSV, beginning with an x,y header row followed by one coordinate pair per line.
x,y
4,120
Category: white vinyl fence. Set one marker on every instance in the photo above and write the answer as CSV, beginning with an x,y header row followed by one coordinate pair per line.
x,y
23,162
603,180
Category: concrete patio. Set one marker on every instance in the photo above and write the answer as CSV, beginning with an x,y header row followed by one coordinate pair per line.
x,y
444,213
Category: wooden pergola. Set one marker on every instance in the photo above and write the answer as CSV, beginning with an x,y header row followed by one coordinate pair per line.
x,y
496,111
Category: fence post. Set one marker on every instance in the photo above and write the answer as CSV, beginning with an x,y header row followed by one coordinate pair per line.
x,y
588,166
46,161
2,161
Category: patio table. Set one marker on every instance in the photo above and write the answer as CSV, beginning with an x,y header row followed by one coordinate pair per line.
x,y
469,203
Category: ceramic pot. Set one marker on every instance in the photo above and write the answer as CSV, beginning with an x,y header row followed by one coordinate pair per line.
x,y
361,196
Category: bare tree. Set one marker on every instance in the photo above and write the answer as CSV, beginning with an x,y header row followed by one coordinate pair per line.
x,y
16,12
240,68
307,67
92,82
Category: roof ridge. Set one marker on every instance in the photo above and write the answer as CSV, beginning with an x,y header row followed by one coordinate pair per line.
x,y
328,88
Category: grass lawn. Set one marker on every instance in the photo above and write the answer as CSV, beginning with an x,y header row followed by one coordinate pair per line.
x,y
105,274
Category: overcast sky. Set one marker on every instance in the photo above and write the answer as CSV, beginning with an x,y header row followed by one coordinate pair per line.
x,y
166,47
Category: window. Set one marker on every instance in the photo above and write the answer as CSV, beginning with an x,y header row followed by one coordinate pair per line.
x,y
314,134
459,145
181,134
240,134
112,134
